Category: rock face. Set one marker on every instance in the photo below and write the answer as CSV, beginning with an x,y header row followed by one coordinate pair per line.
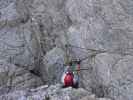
x,y
14,77
51,93
33,35
54,61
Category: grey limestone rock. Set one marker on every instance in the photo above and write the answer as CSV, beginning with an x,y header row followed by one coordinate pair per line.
x,y
33,34
14,77
53,92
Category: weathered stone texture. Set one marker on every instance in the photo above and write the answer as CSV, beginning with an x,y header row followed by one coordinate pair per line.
x,y
33,34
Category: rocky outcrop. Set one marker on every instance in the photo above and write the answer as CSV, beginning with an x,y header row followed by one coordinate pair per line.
x,y
103,25
15,77
54,92
33,34
54,61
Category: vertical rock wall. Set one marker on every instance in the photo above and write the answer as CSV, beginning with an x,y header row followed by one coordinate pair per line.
x,y
33,34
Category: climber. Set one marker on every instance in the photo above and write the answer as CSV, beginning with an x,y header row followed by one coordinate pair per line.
x,y
70,76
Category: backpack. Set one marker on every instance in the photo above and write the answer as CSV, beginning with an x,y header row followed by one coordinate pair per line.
x,y
68,79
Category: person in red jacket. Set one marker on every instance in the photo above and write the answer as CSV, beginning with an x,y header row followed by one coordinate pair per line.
x,y
67,77
70,77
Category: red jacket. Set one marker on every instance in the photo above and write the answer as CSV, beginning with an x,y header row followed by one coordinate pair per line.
x,y
68,79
